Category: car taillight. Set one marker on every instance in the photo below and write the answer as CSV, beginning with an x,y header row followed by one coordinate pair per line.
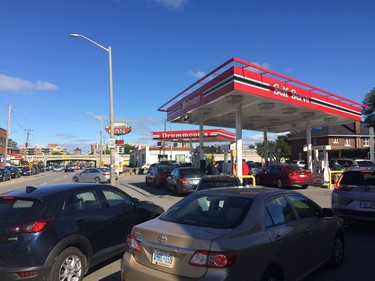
x,y
182,180
106,173
213,259
30,227
133,243
342,187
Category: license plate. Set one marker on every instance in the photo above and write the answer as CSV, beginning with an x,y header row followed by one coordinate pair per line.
x,y
161,258
369,205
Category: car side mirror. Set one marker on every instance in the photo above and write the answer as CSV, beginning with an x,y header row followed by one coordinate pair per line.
x,y
327,212
135,202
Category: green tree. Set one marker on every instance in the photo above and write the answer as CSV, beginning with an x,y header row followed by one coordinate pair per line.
x,y
369,113
280,144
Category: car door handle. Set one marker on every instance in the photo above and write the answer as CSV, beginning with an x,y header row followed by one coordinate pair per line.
x,y
79,222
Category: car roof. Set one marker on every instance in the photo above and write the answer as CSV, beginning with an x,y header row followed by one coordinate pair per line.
x,y
249,192
51,190
218,177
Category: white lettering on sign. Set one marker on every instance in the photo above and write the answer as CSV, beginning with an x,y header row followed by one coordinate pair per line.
x,y
284,92
189,102
182,135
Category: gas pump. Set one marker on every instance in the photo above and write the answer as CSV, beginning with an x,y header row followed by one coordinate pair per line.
x,y
320,164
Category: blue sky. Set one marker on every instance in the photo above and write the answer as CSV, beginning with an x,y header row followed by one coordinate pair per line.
x,y
159,48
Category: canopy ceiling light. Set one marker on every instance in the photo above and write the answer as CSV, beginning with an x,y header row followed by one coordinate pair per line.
x,y
205,111
266,105
185,118
234,99
288,110
308,114
330,119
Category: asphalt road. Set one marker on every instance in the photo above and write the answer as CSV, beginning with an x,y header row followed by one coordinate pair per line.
x,y
360,243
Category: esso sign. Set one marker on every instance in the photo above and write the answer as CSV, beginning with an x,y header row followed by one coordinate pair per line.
x,y
119,129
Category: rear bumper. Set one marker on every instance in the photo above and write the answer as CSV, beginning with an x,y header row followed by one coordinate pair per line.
x,y
10,273
354,214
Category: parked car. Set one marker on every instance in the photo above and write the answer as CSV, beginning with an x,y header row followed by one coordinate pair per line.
x,y
300,163
157,176
184,179
5,175
353,196
15,172
284,175
69,168
58,168
349,162
58,232
215,181
235,234
98,175
26,171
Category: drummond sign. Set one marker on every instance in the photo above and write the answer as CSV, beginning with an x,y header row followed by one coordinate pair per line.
x,y
217,134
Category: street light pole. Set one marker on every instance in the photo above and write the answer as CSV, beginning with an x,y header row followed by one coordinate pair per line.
x,y
111,114
101,136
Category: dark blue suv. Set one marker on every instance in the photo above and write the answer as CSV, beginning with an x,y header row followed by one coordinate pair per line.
x,y
58,232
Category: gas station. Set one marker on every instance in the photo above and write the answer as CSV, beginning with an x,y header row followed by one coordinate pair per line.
x,y
244,96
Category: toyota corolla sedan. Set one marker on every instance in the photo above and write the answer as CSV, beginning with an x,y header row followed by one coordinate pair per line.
x,y
58,232
235,234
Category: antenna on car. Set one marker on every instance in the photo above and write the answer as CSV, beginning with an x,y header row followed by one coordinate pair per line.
x,y
30,189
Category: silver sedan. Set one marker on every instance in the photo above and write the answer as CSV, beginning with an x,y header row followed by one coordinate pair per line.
x,y
229,233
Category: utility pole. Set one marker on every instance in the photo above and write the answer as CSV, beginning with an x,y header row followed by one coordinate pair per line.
x,y
7,135
27,141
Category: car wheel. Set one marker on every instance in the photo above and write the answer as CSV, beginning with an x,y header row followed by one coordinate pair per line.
x,y
279,183
69,265
97,180
337,251
271,275
304,186
76,179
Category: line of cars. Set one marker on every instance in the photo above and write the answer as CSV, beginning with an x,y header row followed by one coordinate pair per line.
x,y
12,172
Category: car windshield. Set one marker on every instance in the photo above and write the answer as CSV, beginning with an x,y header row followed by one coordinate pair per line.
x,y
215,211
15,208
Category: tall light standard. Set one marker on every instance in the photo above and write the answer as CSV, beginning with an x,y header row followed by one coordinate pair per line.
x,y
101,136
111,118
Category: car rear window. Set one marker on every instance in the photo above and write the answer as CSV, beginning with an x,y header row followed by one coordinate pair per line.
x,y
16,208
187,172
358,178
215,211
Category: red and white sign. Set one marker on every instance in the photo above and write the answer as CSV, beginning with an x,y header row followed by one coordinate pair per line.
x,y
214,135
119,128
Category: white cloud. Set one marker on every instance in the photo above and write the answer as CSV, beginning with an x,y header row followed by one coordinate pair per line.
x,y
197,74
175,4
14,84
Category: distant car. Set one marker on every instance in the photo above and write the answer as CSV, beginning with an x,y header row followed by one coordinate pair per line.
x,y
300,163
353,196
5,175
15,172
26,171
69,168
349,162
284,175
216,181
260,234
158,175
59,232
98,175
184,179
58,168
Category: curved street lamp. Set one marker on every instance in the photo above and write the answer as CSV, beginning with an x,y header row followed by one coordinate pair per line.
x,y
101,135
111,114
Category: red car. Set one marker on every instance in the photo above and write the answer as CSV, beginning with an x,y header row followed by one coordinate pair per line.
x,y
283,175
158,175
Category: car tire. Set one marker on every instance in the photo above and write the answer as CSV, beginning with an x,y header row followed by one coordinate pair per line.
x,y
70,264
337,251
97,180
279,183
304,186
76,179
271,275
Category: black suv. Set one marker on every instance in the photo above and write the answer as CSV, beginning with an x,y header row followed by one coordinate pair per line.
x,y
58,232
